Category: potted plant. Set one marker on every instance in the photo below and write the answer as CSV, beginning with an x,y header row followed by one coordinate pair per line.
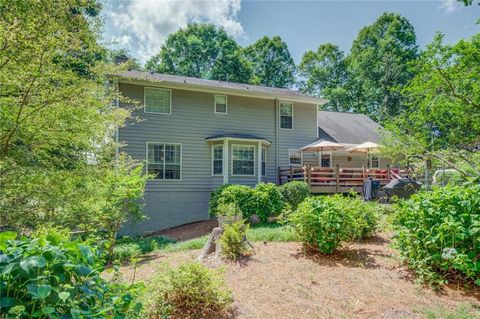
x,y
228,214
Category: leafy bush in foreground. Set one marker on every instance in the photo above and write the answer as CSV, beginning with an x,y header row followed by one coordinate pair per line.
x,y
190,291
267,200
294,193
438,233
323,223
232,240
241,195
40,279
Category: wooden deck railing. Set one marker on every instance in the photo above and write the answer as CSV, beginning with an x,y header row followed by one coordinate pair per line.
x,y
337,179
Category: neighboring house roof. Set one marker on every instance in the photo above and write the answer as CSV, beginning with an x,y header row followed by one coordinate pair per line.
x,y
221,86
348,128
237,136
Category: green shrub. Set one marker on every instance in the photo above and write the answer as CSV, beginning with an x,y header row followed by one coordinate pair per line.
x,y
128,247
230,210
241,195
363,213
322,224
294,193
232,240
187,292
438,233
268,201
44,280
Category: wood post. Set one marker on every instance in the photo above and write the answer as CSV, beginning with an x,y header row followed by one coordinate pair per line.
x,y
279,176
290,174
309,174
337,176
364,173
389,175
305,173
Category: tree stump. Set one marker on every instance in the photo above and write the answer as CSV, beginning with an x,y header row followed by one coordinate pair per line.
x,y
213,244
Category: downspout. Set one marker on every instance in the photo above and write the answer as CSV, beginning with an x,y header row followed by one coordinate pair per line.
x,y
276,139
117,131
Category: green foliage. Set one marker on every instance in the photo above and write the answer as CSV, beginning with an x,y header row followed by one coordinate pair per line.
x,y
438,233
294,193
229,210
272,232
462,312
201,51
326,74
323,223
241,195
39,279
128,247
57,120
233,240
187,292
265,200
442,116
268,201
379,62
272,63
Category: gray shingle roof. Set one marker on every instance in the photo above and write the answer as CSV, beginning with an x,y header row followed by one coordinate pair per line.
x,y
237,135
220,85
349,128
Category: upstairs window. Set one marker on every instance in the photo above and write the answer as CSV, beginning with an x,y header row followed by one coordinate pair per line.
x,y
294,158
286,115
164,160
158,100
221,104
243,160
264,161
217,160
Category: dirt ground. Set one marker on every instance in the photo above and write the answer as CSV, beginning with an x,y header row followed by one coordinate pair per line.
x,y
363,280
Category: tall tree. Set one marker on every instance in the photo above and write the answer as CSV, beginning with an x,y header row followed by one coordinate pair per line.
x,y
380,58
56,115
442,115
325,74
202,51
272,63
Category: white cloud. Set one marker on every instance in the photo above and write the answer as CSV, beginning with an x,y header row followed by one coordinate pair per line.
x,y
141,26
450,5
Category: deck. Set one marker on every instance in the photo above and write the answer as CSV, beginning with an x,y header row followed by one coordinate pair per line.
x,y
322,180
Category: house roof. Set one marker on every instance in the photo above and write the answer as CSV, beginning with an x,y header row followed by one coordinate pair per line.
x,y
220,86
237,136
348,128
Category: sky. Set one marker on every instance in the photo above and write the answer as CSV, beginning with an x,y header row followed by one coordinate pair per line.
x,y
141,26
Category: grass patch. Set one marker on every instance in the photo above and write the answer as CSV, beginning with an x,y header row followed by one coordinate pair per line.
x,y
462,312
128,247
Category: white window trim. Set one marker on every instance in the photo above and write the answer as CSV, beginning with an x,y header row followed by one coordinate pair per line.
x,y
301,157
264,149
254,165
181,161
320,158
215,104
371,161
213,159
145,100
280,116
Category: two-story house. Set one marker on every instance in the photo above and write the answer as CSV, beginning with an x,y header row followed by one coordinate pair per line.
x,y
194,135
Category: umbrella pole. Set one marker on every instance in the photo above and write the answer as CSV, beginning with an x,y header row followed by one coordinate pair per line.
x,y
321,156
368,158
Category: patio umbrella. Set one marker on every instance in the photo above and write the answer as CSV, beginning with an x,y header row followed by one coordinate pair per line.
x,y
321,146
367,148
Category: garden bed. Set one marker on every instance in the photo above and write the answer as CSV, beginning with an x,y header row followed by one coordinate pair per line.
x,y
363,280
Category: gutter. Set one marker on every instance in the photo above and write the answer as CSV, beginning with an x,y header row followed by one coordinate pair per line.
x,y
275,105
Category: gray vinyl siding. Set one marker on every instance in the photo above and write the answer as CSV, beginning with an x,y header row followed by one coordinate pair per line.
x,y
168,202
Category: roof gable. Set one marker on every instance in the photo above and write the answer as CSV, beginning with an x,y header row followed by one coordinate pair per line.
x,y
348,128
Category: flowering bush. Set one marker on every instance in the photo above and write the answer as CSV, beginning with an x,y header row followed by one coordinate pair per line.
x,y
438,233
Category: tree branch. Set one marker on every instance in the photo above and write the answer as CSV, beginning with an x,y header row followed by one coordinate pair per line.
x,y
454,92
